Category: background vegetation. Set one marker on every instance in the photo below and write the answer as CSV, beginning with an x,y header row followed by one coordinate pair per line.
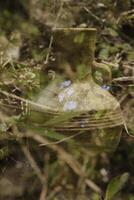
x,y
29,170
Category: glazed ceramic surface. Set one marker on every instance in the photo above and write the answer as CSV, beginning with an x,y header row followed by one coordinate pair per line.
x,y
78,104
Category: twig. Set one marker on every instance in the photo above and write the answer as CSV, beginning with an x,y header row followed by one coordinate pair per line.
x,y
133,73
128,67
54,192
69,159
63,155
93,15
37,170
33,164
116,65
49,50
33,105
45,172
62,140
52,38
125,78
43,194
123,98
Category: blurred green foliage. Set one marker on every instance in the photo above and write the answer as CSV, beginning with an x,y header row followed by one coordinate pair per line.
x,y
22,78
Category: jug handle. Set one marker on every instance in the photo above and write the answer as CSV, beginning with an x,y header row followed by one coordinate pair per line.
x,y
104,69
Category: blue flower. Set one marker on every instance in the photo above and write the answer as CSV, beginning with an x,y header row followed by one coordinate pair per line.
x,y
70,105
105,87
65,84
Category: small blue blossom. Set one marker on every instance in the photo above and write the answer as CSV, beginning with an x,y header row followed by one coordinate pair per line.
x,y
69,91
70,105
105,87
65,84
82,125
61,97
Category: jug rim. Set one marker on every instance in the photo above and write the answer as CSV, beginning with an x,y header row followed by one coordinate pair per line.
x,y
74,29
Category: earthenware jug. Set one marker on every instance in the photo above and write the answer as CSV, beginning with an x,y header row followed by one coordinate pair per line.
x,y
76,105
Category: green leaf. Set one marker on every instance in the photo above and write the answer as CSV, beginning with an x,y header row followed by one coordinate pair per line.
x,y
104,52
95,197
3,152
130,55
112,32
3,127
115,186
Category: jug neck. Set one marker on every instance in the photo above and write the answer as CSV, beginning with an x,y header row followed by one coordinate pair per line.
x,y
75,47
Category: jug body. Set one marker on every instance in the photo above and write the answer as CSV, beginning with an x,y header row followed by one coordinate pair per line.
x,y
77,106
